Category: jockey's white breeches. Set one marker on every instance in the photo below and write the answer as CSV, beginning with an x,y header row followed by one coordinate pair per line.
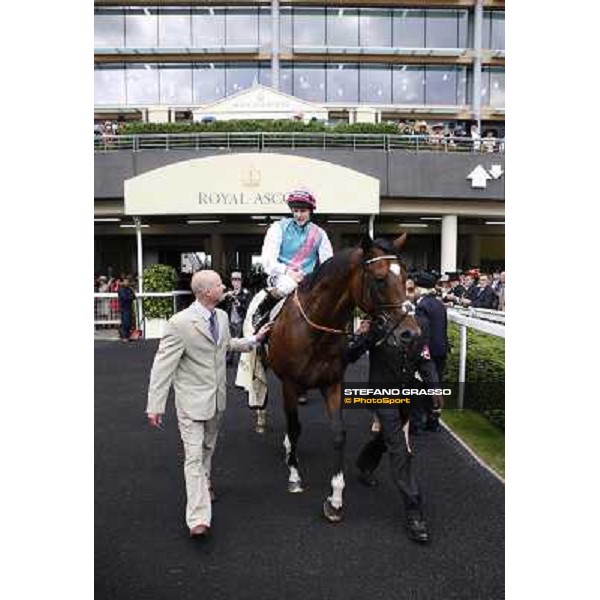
x,y
283,284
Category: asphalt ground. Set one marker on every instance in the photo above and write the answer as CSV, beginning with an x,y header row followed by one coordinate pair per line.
x,y
267,543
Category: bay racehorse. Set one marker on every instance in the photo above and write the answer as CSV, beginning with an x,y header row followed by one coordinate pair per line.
x,y
308,339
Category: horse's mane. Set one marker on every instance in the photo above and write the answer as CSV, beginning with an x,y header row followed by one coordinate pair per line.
x,y
338,266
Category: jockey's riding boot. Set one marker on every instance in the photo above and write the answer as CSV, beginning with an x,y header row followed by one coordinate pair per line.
x,y
416,526
261,316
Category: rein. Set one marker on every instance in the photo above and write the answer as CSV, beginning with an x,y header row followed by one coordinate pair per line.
x,y
406,306
314,325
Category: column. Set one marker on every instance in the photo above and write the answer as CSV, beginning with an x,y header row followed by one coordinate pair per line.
x,y
449,243
477,37
216,252
275,48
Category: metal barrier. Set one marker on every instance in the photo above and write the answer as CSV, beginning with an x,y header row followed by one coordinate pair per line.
x,y
322,140
465,322
108,316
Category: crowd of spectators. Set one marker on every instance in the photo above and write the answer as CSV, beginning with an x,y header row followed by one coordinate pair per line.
x,y
471,289
450,136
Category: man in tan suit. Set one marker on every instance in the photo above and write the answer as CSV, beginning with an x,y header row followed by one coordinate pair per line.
x,y
191,355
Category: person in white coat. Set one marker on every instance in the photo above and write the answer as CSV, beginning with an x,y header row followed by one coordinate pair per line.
x,y
191,356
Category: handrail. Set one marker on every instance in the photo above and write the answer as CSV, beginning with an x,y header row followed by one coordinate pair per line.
x,y
264,140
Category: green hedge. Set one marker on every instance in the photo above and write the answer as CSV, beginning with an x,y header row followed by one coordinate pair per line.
x,y
485,365
158,278
255,126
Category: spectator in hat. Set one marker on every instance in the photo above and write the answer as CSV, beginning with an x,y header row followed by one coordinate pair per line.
x,y
431,310
455,290
436,137
489,142
235,304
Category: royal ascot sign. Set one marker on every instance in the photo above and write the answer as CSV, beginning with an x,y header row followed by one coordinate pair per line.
x,y
249,183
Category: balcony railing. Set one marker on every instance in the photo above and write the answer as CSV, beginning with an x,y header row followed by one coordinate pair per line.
x,y
325,141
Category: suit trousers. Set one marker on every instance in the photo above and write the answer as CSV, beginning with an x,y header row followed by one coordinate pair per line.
x,y
401,458
199,439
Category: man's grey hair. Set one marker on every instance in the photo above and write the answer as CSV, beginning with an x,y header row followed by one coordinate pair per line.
x,y
202,280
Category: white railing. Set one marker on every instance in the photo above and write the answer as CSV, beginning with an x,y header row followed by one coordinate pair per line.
x,y
106,307
465,319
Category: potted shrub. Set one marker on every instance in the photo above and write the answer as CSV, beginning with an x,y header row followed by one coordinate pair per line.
x,y
157,278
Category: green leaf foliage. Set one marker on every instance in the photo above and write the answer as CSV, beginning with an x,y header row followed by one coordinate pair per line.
x,y
257,126
486,365
158,278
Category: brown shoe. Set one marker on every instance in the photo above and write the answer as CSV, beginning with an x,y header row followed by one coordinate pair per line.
x,y
199,531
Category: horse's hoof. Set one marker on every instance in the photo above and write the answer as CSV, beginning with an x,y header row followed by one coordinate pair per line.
x,y
332,514
295,487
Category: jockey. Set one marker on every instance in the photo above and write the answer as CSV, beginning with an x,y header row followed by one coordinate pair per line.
x,y
291,250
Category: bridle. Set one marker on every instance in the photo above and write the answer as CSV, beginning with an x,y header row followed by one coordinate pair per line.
x,y
406,307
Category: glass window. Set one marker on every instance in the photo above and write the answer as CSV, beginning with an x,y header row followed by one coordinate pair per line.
x,y
342,83
463,28
376,84
441,29
265,76
497,87
285,29
240,76
309,27
342,27
309,81
440,85
141,28
408,84
375,28
265,29
109,28
109,84
208,27
463,95
241,27
486,35
174,28
209,82
409,28
142,84
497,33
176,84
485,86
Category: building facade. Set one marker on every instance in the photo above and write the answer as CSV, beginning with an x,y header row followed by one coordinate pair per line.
x,y
347,61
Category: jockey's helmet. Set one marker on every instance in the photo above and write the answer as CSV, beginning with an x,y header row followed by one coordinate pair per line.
x,y
301,199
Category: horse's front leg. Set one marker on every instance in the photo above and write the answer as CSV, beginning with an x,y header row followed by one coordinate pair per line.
x,y
290,442
333,507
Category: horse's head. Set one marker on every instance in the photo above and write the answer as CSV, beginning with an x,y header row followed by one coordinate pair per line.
x,y
380,288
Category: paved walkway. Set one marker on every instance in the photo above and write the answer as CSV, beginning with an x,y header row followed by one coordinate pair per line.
x,y
267,543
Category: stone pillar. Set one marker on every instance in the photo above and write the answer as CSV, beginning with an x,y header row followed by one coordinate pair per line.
x,y
216,252
449,243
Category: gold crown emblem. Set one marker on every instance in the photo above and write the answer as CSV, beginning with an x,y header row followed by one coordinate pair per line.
x,y
251,178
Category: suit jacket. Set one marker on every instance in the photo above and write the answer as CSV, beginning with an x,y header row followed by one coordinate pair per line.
x,y
431,310
189,358
484,297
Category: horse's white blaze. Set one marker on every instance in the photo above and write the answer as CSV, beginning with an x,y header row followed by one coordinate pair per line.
x,y
405,429
337,485
287,445
294,475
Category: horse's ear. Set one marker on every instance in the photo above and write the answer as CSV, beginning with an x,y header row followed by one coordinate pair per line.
x,y
366,243
399,242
